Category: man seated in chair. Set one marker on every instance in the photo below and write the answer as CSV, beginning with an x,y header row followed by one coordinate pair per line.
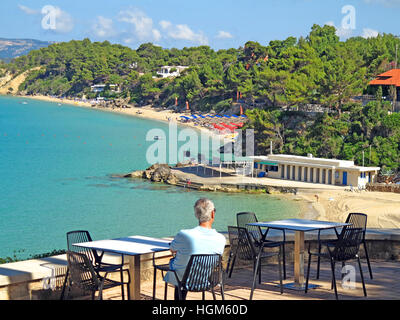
x,y
199,240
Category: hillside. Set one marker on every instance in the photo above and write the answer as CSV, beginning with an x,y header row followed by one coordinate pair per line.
x,y
270,82
13,48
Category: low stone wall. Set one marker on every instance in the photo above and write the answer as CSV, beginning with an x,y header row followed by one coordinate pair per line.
x,y
383,187
42,279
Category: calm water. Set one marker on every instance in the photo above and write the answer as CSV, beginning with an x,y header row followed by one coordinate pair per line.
x,y
56,164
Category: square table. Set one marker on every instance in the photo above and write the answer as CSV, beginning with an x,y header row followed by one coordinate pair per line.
x,y
133,247
300,226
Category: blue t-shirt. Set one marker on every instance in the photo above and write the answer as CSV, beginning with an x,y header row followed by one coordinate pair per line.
x,y
198,240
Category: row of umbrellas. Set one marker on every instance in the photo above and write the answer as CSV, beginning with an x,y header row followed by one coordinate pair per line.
x,y
193,117
214,121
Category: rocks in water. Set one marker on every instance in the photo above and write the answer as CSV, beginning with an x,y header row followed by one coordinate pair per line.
x,y
156,173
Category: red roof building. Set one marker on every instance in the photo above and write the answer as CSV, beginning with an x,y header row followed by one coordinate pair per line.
x,y
388,78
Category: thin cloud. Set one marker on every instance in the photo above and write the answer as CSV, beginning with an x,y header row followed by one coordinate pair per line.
x,y
183,32
224,35
340,31
103,27
369,33
27,10
143,28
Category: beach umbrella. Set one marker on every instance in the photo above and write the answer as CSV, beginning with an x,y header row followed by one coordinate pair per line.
x,y
235,116
228,126
187,118
218,116
226,116
244,116
218,127
210,116
193,116
201,116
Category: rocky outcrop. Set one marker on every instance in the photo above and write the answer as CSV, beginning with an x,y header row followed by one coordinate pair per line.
x,y
156,173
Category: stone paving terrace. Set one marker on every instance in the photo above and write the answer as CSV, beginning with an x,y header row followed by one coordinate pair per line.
x,y
384,286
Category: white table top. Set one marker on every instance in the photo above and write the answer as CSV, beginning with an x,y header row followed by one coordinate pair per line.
x,y
299,224
131,246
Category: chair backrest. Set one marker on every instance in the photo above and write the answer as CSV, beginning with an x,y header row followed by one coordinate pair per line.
x,y
241,243
203,271
348,244
358,220
249,217
81,271
79,236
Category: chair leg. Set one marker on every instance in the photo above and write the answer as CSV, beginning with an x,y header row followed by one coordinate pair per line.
x,y
319,260
334,278
65,284
233,264
254,277
165,291
367,257
122,286
222,291
280,270
284,260
362,276
308,272
213,293
154,283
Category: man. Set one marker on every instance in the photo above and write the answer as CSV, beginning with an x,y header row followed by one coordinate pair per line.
x,y
199,240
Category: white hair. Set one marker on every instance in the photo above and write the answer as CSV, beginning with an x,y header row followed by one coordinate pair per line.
x,y
203,209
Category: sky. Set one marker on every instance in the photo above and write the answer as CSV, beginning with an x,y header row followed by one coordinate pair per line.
x,y
220,24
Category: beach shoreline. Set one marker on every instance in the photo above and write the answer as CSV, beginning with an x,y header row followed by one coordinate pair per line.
x,y
146,112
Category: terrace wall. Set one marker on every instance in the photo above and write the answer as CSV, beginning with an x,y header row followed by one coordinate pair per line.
x,y
29,280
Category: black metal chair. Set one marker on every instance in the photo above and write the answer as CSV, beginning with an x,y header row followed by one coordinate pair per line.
x,y
243,218
83,275
357,220
345,248
203,272
163,268
243,247
79,236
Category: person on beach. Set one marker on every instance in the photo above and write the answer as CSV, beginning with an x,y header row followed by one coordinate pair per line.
x,y
199,240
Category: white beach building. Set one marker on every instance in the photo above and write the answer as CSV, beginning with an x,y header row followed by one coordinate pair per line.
x,y
315,170
171,71
101,87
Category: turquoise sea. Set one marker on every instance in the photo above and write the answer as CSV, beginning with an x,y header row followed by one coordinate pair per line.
x,y
56,167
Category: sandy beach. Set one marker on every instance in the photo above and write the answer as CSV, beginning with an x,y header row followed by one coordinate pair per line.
x,y
382,208
146,112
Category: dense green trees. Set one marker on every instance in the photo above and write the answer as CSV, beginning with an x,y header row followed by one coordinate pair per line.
x,y
370,129
317,69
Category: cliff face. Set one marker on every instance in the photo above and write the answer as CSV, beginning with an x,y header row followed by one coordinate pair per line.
x,y
12,48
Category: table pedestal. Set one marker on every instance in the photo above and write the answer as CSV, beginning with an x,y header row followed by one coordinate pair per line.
x,y
299,283
134,270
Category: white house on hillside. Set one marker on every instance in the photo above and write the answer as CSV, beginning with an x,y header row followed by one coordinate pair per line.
x,y
100,88
171,71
